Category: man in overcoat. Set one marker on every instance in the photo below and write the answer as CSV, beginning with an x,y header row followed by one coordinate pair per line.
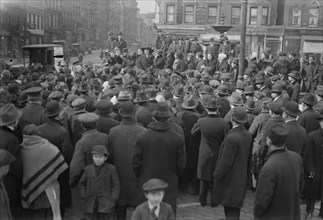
x,y
231,167
212,129
308,118
160,153
277,195
106,121
313,168
122,140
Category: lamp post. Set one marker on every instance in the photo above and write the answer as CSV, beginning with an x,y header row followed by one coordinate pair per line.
x,y
221,28
243,36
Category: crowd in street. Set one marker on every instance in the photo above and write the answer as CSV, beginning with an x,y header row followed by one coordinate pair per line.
x,y
89,141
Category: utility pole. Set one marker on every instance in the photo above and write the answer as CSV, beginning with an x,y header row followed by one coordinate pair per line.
x,y
243,36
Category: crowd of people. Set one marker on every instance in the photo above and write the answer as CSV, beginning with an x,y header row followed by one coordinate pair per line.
x,y
89,141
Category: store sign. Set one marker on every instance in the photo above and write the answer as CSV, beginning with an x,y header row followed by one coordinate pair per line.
x,y
179,14
200,15
312,47
263,30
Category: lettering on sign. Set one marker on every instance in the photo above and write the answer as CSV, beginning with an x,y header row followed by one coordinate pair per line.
x,y
200,15
179,15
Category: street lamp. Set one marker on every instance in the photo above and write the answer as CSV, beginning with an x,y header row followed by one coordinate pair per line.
x,y
221,28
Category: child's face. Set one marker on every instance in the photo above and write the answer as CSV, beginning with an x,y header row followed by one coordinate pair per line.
x,y
4,170
99,159
155,197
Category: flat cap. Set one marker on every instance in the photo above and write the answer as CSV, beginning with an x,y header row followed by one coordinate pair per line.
x,y
78,102
100,149
154,184
278,134
33,91
88,118
6,157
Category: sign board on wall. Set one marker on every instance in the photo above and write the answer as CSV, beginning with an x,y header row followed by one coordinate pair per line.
x,y
200,15
179,14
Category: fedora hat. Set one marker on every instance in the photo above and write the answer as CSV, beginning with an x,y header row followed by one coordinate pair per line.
x,y
179,91
127,109
52,108
124,95
103,107
162,110
189,102
83,87
275,108
141,96
241,85
205,78
205,89
277,88
291,109
259,80
249,72
9,114
235,99
309,99
249,90
250,104
294,74
270,71
223,90
211,103
239,115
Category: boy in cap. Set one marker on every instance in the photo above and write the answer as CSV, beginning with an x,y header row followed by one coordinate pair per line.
x,y
5,159
154,208
99,186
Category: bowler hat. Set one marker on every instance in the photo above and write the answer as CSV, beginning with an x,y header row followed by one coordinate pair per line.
x,y
223,90
250,104
70,98
270,70
126,109
9,114
278,134
83,87
103,107
151,91
162,110
52,108
239,115
235,99
117,79
294,74
275,108
259,80
207,90
277,88
189,102
141,96
35,76
179,91
249,72
249,90
124,95
6,157
88,118
291,109
100,149
211,103
309,99
154,185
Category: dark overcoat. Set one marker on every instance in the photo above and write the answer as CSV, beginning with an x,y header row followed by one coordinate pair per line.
x,y
225,106
105,187
213,130
32,114
192,143
313,161
160,153
83,153
223,66
105,123
308,120
277,195
10,142
230,175
143,114
122,141
297,137
74,127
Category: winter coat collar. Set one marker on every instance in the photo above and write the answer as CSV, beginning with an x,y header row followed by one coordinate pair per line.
x,y
159,126
279,150
238,128
129,121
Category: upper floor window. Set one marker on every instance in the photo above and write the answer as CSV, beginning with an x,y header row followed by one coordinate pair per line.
x,y
212,14
297,14
264,15
313,17
235,15
170,13
253,15
189,14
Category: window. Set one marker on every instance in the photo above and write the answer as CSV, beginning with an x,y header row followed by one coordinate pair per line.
x,y
170,13
313,18
253,15
297,14
235,15
212,14
189,14
264,16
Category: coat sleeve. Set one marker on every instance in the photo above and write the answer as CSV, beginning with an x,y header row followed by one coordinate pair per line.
x,y
77,165
254,127
296,90
181,158
196,129
264,192
226,158
136,215
309,155
82,184
67,147
115,184
137,159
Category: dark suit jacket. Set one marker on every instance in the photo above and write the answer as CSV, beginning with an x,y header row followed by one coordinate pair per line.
x,y
142,212
297,138
308,120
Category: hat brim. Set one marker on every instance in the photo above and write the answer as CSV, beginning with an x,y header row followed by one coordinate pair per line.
x,y
157,114
99,152
140,101
275,91
241,121
189,107
231,101
290,113
18,116
47,114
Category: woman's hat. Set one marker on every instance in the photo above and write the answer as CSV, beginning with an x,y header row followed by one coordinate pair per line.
x,y
179,91
291,109
124,95
9,114
52,108
223,90
205,89
162,110
100,149
189,102
239,115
